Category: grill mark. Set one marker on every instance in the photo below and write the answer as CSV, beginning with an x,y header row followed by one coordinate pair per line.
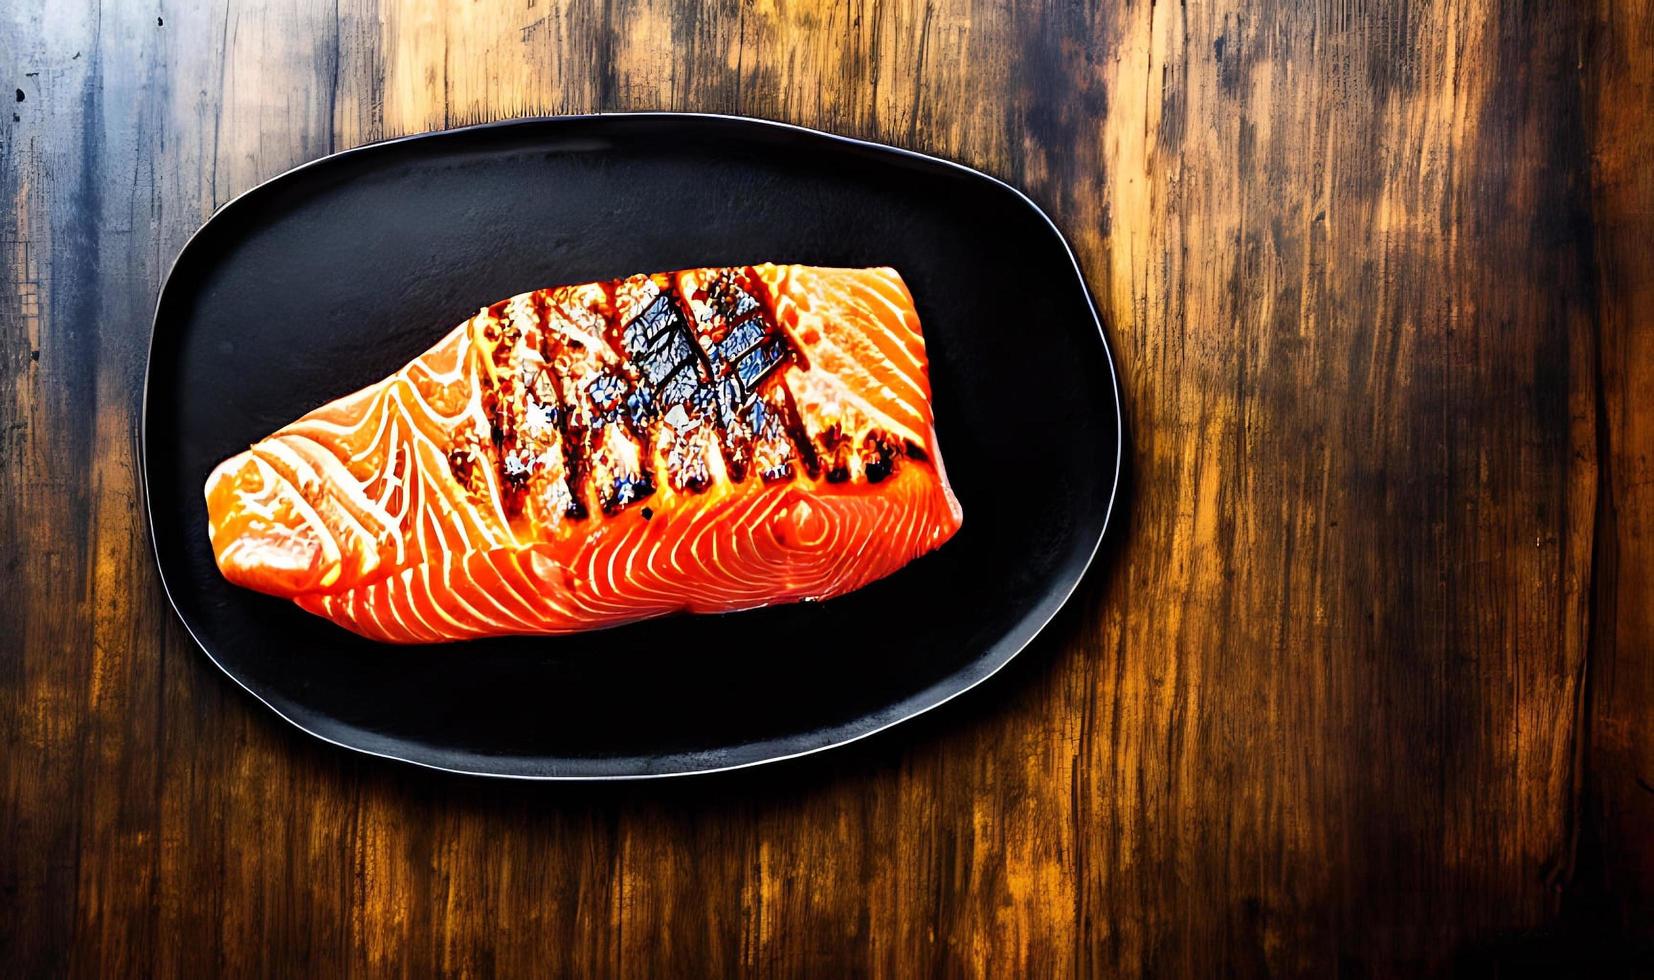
x,y
546,390
699,482
835,451
879,453
611,397
570,445
773,451
793,422
661,351
735,444
718,387
573,440
504,404
743,348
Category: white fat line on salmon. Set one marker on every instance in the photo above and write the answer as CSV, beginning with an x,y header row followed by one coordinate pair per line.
x,y
423,517
423,582
578,596
479,418
895,349
393,388
331,553
421,408
365,611
380,602
830,564
481,566
780,561
345,432
278,454
720,562
450,567
713,567
549,581
380,606
557,600
450,516
906,530
349,494
244,500
702,521
764,569
453,375
398,591
396,477
803,298
913,401
407,595
524,582
460,339
405,454
877,418
614,553
599,587
455,521
809,318
901,342
639,586
454,627
684,544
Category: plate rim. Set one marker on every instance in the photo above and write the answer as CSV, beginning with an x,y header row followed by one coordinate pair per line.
x,y
541,120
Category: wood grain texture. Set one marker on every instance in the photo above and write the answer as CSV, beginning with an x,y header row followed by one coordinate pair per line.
x,y
1364,682
1619,804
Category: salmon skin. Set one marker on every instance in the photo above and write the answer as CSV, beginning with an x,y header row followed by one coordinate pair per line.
x,y
579,457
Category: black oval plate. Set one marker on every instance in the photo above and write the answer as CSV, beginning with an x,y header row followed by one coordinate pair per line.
x,y
335,274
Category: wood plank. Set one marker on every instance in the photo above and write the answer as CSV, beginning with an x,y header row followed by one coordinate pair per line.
x,y
1616,890
1375,275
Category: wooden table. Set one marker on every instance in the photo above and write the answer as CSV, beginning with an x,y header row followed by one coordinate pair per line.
x,y
1364,680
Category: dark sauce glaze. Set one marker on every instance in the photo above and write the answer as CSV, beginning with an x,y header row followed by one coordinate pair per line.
x,y
879,453
627,490
550,389
689,372
462,462
793,423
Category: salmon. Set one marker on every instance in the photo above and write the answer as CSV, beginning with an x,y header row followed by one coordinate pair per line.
x,y
572,458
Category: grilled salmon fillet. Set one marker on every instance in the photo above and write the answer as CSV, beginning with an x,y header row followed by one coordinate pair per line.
x,y
708,440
